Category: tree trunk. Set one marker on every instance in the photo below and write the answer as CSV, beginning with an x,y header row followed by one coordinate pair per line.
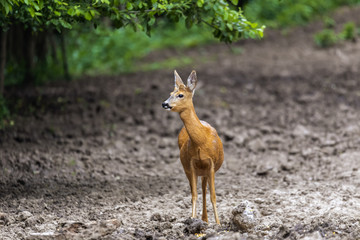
x,y
17,41
52,44
41,46
29,50
2,60
64,57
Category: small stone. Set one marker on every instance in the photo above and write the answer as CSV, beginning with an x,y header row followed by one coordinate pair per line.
x,y
194,225
164,226
313,236
307,153
301,131
283,232
210,232
257,145
245,216
259,200
169,218
294,150
112,223
155,217
3,218
228,136
228,236
24,215
240,139
44,236
31,221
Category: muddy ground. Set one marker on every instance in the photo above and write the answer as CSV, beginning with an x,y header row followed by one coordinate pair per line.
x,y
97,158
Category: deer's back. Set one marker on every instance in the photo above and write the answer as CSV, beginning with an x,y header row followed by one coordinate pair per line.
x,y
212,149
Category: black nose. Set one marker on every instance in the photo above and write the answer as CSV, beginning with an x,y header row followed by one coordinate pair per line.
x,y
165,105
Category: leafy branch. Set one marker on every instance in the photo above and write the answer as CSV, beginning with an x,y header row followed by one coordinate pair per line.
x,y
228,23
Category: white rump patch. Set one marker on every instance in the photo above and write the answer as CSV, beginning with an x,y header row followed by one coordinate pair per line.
x,y
205,124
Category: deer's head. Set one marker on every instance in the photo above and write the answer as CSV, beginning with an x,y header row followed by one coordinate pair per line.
x,y
181,97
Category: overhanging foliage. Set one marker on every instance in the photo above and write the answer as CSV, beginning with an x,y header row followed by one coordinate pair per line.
x,y
229,23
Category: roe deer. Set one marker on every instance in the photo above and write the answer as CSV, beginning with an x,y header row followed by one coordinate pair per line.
x,y
201,150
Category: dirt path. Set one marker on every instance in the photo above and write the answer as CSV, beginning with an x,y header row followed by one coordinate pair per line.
x,y
99,159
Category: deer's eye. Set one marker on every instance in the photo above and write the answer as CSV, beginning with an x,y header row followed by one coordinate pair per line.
x,y
180,95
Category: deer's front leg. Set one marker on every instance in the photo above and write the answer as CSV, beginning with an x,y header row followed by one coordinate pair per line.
x,y
193,185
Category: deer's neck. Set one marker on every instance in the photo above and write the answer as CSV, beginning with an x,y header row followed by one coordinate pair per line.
x,y
196,131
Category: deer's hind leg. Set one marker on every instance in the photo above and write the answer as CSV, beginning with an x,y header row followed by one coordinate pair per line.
x,y
212,191
204,181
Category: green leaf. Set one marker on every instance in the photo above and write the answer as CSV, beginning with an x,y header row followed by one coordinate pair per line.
x,y
151,21
129,6
71,12
88,16
65,24
93,12
32,12
235,2
55,22
8,8
189,22
226,15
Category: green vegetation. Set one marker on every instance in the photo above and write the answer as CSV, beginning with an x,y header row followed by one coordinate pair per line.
x,y
105,51
326,38
329,22
280,13
37,36
349,31
36,20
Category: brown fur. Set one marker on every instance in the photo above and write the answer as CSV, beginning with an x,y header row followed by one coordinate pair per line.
x,y
201,150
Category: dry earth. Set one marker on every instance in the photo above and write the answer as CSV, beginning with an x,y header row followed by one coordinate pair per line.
x,y
97,158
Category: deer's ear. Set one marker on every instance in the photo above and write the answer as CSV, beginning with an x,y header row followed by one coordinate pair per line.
x,y
178,81
192,80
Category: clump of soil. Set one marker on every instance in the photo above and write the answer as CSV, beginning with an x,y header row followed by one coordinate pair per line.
x,y
98,159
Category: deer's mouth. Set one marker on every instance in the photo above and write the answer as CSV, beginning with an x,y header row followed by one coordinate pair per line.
x,y
166,106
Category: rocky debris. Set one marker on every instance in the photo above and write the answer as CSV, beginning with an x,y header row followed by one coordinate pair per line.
x,y
140,234
351,130
155,217
264,171
210,232
4,219
309,152
78,230
283,232
245,216
194,225
22,216
228,236
33,220
45,236
257,145
313,236
229,135
301,131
